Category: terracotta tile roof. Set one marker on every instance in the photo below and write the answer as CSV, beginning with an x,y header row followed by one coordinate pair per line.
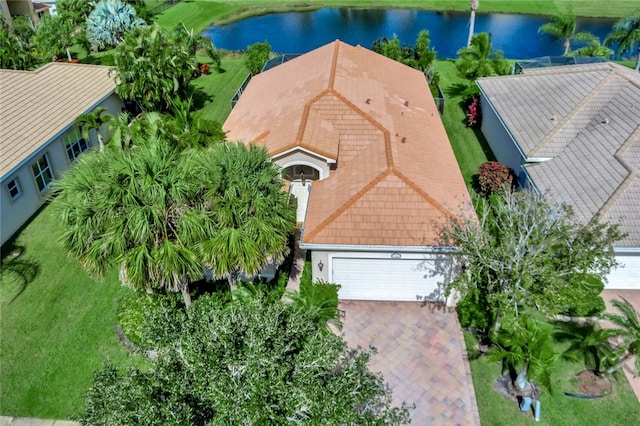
x,y
593,144
37,105
396,173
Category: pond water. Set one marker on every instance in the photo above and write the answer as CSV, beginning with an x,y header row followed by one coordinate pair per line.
x,y
299,32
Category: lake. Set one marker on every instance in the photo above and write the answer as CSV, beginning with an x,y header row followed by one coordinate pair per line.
x,y
299,32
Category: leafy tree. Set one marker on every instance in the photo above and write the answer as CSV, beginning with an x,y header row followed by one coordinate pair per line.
x,y
563,27
162,214
53,37
153,67
479,60
93,120
627,329
251,361
196,42
424,54
393,49
626,33
473,5
526,254
593,48
108,23
76,11
587,342
16,44
257,56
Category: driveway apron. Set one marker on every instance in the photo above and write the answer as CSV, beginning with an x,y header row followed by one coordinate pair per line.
x,y
422,356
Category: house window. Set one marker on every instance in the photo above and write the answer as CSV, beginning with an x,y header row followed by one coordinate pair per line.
x,y
75,144
42,173
14,189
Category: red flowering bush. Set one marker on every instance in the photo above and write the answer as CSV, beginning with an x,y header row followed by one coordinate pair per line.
x,y
473,113
494,177
204,68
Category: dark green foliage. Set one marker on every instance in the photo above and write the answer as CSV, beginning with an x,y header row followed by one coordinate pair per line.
x,y
251,361
257,56
17,49
480,60
474,311
306,278
627,330
588,343
320,300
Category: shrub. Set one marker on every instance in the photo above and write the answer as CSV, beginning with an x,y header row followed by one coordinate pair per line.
x,y
494,177
257,56
473,113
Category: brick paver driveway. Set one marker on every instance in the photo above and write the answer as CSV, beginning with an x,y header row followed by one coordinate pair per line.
x,y
420,353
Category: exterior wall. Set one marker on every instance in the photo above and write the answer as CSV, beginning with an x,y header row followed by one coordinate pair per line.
x,y
503,146
445,268
15,213
627,275
302,158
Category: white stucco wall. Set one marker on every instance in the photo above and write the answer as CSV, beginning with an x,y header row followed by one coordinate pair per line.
x,y
504,148
14,214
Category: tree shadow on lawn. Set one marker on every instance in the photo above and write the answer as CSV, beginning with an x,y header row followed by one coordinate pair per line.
x,y
17,268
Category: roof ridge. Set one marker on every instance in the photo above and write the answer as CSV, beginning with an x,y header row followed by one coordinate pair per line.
x,y
334,63
351,201
420,191
571,114
372,121
305,115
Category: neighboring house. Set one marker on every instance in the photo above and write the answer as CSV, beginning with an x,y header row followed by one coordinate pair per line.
x,y
360,137
33,11
574,132
38,140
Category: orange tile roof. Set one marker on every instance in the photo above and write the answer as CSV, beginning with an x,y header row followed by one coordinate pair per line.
x,y
37,105
396,174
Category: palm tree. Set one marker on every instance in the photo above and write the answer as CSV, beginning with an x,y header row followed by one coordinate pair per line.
x,y
626,33
253,216
472,22
478,60
627,329
93,121
593,48
133,208
563,27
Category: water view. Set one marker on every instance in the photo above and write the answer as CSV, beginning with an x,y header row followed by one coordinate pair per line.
x,y
299,32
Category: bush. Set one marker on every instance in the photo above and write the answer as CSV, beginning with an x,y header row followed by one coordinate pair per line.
x,y
474,312
257,56
494,177
473,113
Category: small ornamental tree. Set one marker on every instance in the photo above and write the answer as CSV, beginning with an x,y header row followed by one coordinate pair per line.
x,y
108,23
494,177
257,56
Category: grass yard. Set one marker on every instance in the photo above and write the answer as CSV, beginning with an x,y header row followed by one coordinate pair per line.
x,y
469,145
199,14
218,88
56,329
621,407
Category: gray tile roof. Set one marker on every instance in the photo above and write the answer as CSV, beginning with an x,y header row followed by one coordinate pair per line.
x,y
586,119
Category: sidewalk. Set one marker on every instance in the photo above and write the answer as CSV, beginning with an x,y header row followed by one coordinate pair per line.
x,y
24,421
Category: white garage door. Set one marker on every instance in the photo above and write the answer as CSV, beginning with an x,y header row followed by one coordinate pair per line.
x,y
385,279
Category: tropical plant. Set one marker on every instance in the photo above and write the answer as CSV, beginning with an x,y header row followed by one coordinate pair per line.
x,y
54,37
76,11
527,254
253,217
187,129
257,56
108,23
16,44
250,361
153,67
93,120
526,349
588,343
593,48
627,330
479,60
626,34
392,48
424,54
563,27
473,5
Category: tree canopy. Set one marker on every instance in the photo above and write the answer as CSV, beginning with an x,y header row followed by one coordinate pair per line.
x,y
245,362
257,56
479,60
526,254
626,34
563,27
163,214
108,23
17,50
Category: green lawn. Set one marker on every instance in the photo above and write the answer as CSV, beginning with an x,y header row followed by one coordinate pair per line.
x,y
621,407
56,329
219,87
199,14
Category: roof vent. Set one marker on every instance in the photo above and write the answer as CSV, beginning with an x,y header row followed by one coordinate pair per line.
x,y
406,103
403,140
368,101
605,121
554,118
